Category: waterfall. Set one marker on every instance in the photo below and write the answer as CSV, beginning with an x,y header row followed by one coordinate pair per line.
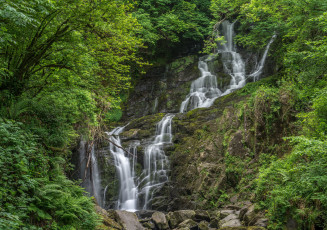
x,y
258,70
90,176
204,90
95,175
156,162
137,191
128,191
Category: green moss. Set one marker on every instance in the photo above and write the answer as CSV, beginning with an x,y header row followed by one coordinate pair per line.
x,y
181,63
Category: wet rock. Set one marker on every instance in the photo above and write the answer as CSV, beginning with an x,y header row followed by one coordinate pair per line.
x,y
224,213
149,225
107,219
160,220
201,215
160,202
232,223
234,199
214,223
214,214
236,147
203,225
228,218
143,214
128,220
177,217
250,216
243,211
191,224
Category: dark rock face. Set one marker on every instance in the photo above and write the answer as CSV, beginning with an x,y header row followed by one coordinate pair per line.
x,y
162,89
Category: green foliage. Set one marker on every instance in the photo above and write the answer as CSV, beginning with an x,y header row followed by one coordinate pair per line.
x,y
172,24
295,187
63,66
33,191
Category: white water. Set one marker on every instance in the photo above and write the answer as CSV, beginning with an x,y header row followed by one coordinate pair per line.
x,y
204,90
154,174
156,162
127,191
95,175
258,70
90,176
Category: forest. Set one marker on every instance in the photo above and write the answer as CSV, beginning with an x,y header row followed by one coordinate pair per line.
x,y
69,69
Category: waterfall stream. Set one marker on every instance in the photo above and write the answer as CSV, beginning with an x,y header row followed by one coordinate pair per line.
x,y
137,191
90,175
155,161
127,199
204,90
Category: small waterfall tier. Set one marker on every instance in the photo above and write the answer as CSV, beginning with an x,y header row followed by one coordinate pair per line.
x,y
127,199
204,90
89,172
156,163
136,192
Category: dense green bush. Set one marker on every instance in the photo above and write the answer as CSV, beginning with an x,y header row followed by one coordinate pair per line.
x,y
34,193
295,186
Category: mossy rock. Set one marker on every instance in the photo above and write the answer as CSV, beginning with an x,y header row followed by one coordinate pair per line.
x,y
180,64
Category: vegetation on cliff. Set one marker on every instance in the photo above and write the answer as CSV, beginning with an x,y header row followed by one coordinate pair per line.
x,y
292,187
65,67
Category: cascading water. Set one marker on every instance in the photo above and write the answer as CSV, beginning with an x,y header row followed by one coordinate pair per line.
x,y
90,172
154,174
156,162
138,192
258,70
204,90
128,191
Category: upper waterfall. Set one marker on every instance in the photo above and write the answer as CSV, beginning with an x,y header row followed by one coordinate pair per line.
x,y
204,90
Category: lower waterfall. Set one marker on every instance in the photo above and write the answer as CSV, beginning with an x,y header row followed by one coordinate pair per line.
x,y
127,199
156,163
137,193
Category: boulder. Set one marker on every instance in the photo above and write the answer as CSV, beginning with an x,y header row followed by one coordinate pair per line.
x,y
143,214
250,217
177,217
201,215
214,223
191,224
243,211
203,225
230,221
160,220
107,219
149,225
214,214
225,213
128,220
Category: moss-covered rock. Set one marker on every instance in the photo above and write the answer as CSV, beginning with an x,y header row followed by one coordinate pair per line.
x,y
162,89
